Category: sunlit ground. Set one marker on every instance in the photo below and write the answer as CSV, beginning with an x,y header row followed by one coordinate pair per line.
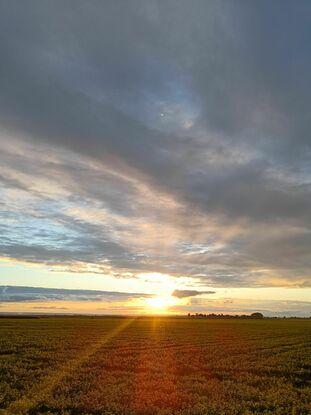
x,y
155,366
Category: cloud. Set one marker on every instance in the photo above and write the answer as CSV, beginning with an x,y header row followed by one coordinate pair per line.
x,y
272,308
49,308
181,147
189,293
27,294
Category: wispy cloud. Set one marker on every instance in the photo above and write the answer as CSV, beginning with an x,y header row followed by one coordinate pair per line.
x,y
49,308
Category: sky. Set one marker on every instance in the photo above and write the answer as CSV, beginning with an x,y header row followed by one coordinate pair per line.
x,y
157,152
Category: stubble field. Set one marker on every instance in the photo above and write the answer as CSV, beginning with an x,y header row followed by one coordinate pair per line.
x,y
149,366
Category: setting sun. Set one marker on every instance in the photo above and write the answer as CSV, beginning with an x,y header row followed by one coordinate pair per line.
x,y
160,303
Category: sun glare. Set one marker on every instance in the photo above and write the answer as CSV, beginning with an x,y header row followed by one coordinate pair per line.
x,y
160,303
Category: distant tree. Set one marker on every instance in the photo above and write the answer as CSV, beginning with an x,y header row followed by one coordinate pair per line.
x,y
256,315
237,316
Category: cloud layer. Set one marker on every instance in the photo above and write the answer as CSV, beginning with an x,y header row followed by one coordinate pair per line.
x,y
189,293
51,300
158,136
15,294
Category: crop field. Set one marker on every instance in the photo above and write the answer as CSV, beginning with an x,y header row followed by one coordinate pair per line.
x,y
156,365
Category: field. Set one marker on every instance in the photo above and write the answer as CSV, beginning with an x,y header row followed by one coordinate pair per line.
x,y
93,365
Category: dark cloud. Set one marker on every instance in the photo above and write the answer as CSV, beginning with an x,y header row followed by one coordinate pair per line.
x,y
189,293
123,124
12,294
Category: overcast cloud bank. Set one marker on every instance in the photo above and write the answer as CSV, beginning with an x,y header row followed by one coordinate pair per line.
x,y
158,136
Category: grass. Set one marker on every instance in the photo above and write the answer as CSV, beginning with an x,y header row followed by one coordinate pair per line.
x,y
148,366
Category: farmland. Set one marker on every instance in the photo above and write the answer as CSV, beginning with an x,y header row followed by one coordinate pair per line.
x,y
155,365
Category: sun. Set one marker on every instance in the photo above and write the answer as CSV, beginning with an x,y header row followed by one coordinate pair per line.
x,y
160,303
